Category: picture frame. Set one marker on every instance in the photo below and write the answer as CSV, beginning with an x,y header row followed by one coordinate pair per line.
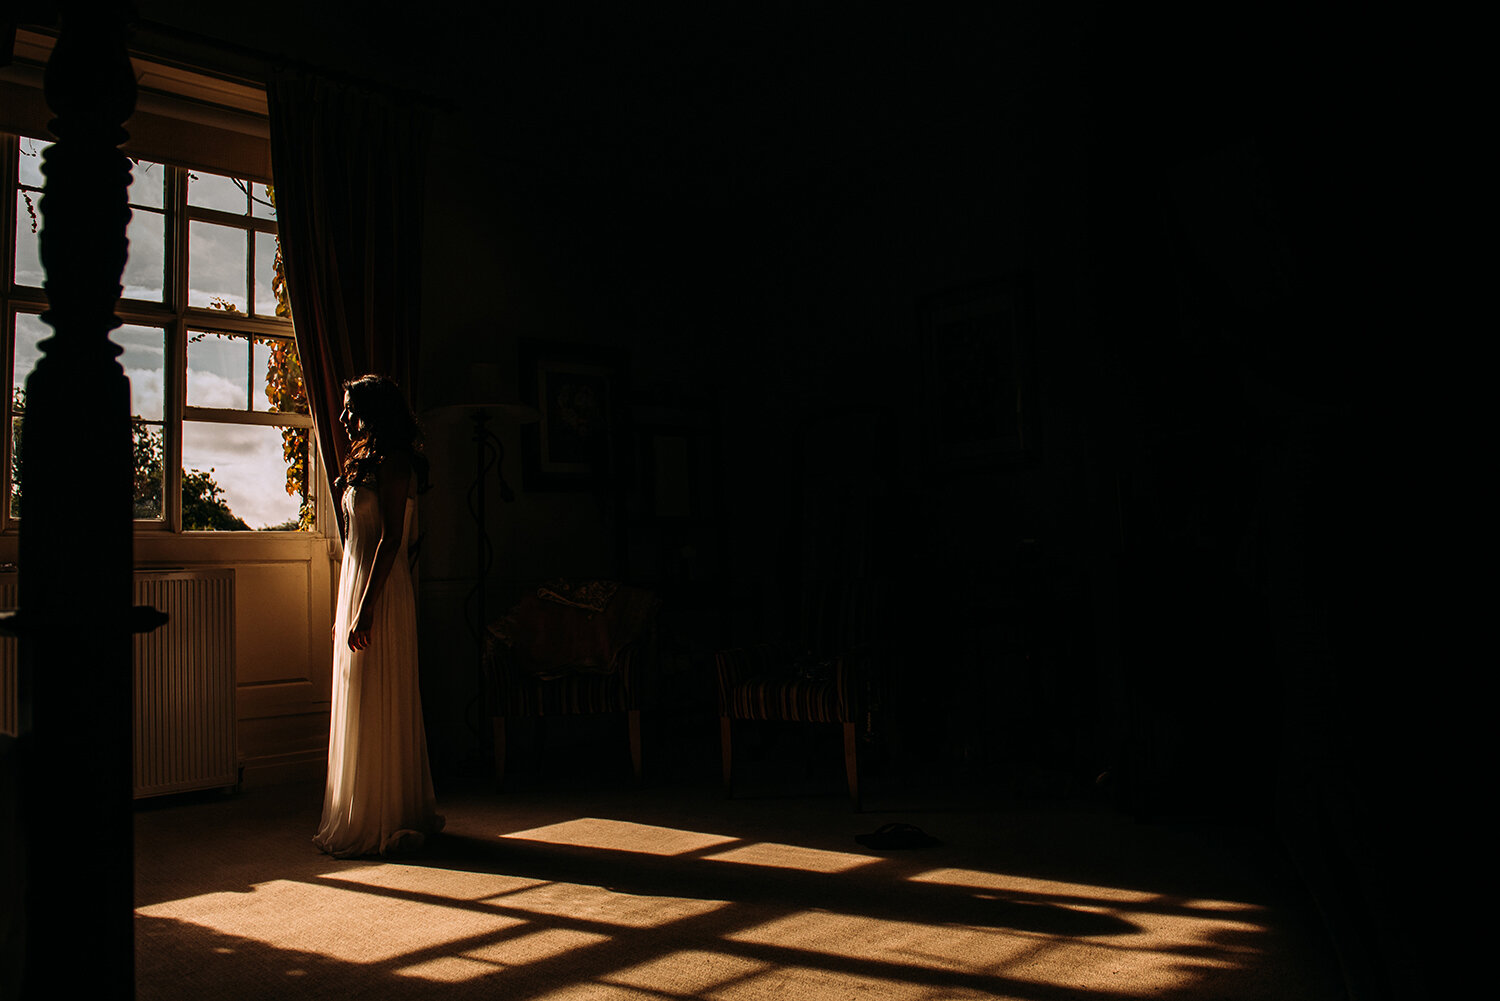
x,y
979,409
580,394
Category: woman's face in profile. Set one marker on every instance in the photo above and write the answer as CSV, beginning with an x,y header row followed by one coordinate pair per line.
x,y
347,418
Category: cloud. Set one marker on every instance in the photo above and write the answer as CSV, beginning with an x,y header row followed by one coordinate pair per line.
x,y
146,394
246,461
209,389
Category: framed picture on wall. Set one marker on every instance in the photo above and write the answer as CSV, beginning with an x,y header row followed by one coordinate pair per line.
x,y
579,391
979,382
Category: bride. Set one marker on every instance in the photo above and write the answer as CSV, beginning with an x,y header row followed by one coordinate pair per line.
x,y
379,797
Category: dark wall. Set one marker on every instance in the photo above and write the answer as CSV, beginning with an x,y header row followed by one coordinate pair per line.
x,y
1172,593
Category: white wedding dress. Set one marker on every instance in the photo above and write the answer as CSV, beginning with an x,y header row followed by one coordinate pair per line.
x,y
379,797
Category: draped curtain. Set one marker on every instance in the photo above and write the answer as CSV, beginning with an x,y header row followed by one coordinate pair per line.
x,y
349,167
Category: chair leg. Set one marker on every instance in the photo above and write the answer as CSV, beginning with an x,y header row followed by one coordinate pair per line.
x,y
497,736
726,727
851,762
634,716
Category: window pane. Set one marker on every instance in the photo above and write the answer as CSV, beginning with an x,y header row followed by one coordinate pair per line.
x,y
143,359
216,266
31,160
218,370
214,191
28,238
235,477
150,470
261,206
265,271
30,331
282,390
148,182
146,263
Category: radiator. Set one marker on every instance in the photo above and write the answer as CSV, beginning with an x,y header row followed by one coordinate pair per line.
x,y
184,710
184,684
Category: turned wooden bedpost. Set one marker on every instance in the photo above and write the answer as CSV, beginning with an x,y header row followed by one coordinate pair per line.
x,y
75,537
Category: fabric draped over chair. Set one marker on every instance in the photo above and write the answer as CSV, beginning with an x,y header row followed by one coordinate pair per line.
x,y
350,171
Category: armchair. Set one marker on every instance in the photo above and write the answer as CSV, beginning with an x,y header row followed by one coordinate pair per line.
x,y
769,682
570,648
820,684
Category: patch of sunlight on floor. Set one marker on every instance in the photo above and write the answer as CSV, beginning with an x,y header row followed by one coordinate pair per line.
x,y
510,951
1019,886
909,943
1134,905
694,973
600,905
454,884
1168,952
792,857
621,835
308,917
447,969
535,947
607,992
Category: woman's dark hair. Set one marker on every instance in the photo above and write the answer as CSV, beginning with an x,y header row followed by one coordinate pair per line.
x,y
390,428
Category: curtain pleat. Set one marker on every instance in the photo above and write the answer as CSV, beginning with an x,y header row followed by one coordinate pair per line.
x,y
350,169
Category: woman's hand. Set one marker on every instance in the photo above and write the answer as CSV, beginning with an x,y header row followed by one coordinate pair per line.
x,y
359,636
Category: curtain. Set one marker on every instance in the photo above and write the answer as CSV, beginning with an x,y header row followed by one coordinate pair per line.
x,y
349,167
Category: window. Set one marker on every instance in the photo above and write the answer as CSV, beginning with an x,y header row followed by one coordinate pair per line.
x,y
221,423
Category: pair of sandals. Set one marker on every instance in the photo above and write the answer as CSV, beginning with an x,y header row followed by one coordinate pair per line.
x,y
897,836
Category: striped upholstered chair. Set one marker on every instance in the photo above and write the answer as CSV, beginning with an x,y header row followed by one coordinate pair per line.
x,y
821,683
572,648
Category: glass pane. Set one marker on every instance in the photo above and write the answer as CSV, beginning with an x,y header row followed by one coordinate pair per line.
x,y
146,263
216,267
28,239
262,204
31,160
262,397
148,182
265,271
150,470
282,391
218,370
235,477
143,359
30,332
214,191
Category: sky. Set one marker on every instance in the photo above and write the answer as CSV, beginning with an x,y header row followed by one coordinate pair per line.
x,y
223,372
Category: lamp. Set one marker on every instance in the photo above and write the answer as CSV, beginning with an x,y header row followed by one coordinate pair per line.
x,y
489,454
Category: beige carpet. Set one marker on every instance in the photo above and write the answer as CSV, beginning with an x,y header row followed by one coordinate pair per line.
x,y
679,894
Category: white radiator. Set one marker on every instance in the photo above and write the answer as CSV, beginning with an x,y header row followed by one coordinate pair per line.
x,y
185,730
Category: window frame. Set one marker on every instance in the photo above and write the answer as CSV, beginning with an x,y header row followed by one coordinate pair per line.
x,y
175,317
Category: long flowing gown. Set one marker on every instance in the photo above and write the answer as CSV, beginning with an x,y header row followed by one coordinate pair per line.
x,y
379,797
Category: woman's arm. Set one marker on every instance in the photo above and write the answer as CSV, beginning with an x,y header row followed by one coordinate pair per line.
x,y
394,481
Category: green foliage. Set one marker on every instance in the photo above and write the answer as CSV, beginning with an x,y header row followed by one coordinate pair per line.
x,y
286,391
18,409
147,443
203,507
